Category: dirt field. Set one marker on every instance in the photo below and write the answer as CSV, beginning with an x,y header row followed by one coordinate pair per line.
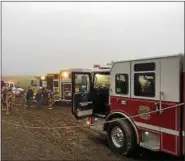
x,y
20,143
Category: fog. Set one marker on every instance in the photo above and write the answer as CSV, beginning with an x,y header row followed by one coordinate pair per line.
x,y
42,37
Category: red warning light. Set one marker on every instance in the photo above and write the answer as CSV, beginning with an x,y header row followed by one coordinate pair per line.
x,y
89,121
104,68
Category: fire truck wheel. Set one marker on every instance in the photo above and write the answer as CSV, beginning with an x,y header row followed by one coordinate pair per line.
x,y
121,137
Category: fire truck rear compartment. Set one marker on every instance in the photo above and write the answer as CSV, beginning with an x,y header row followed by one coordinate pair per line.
x,y
50,82
66,91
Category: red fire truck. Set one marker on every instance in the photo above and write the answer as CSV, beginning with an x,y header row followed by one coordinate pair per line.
x,y
146,99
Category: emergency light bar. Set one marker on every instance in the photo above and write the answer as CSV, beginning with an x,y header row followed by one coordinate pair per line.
x,y
11,81
104,67
36,77
96,66
99,67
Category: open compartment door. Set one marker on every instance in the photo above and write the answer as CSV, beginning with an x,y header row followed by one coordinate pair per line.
x,y
82,105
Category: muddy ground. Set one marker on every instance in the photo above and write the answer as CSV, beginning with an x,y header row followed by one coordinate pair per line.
x,y
77,143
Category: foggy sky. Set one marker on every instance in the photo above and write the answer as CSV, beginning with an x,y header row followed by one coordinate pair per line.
x,y
49,36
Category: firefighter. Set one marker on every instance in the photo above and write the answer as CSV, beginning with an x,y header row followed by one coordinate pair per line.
x,y
51,100
3,98
45,97
39,97
29,97
10,100
2,84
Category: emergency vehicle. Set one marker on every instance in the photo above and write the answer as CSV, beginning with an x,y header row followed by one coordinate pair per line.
x,y
52,80
10,84
16,89
146,99
36,83
65,83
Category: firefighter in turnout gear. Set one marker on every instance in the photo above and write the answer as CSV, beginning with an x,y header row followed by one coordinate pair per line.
x,y
28,97
51,99
45,96
10,100
3,98
39,97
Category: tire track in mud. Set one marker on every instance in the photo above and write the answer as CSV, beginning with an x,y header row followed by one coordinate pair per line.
x,y
87,142
70,143
31,118
72,134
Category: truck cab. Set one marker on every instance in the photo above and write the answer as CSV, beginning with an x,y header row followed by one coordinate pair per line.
x,y
100,92
90,93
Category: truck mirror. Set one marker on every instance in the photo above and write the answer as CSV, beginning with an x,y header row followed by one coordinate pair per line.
x,y
84,88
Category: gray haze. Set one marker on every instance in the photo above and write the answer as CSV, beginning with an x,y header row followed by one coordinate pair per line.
x,y
48,36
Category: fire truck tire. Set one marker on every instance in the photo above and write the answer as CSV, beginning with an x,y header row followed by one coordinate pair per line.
x,y
125,131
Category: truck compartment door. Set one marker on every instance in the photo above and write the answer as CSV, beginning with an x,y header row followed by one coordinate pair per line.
x,y
170,96
82,106
49,82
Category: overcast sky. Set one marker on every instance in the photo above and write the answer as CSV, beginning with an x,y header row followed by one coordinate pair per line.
x,y
46,37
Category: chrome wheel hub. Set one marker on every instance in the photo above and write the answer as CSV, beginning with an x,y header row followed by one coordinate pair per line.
x,y
117,136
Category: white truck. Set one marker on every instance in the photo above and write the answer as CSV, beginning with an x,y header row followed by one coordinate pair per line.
x,y
15,88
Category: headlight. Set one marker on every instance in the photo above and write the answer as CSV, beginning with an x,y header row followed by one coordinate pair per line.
x,y
65,74
43,78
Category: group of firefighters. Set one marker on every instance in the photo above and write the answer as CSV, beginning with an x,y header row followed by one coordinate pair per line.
x,y
43,97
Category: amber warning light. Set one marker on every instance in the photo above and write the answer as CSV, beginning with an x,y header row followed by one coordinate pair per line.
x,y
43,77
88,122
65,74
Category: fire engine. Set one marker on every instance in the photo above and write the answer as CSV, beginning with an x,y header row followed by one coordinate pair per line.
x,y
36,83
52,80
146,100
65,83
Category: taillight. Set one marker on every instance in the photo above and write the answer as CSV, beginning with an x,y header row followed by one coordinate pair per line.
x,y
70,75
89,121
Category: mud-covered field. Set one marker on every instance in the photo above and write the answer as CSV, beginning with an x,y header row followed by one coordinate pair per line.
x,y
77,143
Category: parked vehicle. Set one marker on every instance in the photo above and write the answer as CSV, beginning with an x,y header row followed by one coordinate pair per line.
x,y
36,83
65,82
146,95
16,89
